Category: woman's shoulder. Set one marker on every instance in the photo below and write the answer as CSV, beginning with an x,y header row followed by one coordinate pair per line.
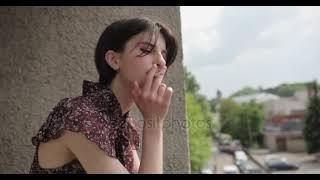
x,y
76,102
71,113
77,106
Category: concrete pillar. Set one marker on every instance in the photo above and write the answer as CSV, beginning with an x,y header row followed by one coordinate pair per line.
x,y
46,53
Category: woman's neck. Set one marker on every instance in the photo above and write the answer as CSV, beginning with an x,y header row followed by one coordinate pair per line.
x,y
122,93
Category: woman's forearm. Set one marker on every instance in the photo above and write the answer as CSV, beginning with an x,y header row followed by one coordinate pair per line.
x,y
152,151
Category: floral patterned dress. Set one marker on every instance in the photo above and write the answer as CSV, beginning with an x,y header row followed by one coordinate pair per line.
x,y
97,114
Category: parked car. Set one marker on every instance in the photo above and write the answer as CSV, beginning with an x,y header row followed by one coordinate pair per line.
x,y
224,139
249,169
241,160
230,148
240,156
207,171
231,169
226,148
274,162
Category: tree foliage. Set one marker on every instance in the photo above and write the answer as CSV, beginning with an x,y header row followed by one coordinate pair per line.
x,y
191,84
312,122
243,122
229,111
199,141
283,90
201,124
250,123
286,90
245,91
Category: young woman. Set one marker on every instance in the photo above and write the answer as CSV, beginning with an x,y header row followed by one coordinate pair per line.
x,y
94,133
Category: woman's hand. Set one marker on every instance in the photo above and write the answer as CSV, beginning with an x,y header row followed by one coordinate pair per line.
x,y
153,99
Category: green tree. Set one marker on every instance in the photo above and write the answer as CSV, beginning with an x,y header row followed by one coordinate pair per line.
x,y
243,122
193,87
229,111
249,123
202,126
312,122
199,141
286,90
207,115
245,91
191,84
213,104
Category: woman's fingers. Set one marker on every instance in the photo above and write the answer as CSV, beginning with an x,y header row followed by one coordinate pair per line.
x,y
152,107
149,79
167,95
161,90
157,81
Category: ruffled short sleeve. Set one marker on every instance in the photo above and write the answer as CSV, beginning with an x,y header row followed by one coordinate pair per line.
x,y
78,116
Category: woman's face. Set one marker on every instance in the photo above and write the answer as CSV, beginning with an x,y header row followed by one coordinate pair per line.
x,y
133,66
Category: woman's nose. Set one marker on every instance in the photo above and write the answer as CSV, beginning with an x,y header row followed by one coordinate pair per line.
x,y
160,60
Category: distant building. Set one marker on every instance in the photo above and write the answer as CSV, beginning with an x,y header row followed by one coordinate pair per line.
x,y
283,119
258,97
284,122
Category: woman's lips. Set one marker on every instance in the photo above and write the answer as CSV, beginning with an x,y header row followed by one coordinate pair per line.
x,y
160,72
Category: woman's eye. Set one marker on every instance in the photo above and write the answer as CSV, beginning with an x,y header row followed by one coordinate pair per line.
x,y
145,51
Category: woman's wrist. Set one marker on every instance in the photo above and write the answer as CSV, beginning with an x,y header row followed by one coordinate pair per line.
x,y
153,124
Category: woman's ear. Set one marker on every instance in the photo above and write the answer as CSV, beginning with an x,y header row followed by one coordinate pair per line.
x,y
112,58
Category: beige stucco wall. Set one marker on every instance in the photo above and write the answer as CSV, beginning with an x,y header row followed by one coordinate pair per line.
x,y
46,53
296,145
292,144
270,142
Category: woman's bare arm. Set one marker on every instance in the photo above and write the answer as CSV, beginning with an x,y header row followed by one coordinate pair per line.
x,y
152,152
93,159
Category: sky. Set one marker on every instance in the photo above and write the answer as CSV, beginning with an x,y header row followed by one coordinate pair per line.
x,y
228,48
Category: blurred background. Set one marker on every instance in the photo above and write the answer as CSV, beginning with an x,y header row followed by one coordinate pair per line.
x,y
251,75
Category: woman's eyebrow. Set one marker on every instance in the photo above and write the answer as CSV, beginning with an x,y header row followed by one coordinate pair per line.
x,y
146,43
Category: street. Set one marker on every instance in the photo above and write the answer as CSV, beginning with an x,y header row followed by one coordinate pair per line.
x,y
222,159
307,163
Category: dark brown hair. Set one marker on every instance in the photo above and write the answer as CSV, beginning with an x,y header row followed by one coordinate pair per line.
x,y
117,34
